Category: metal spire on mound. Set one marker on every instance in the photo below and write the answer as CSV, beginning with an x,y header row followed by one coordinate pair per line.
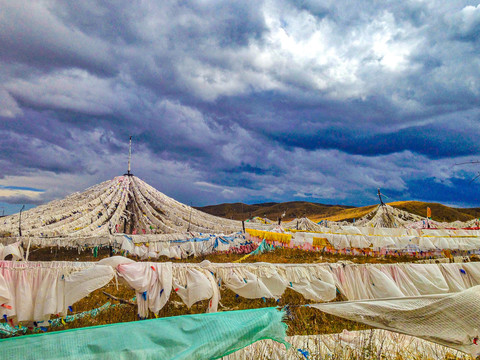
x,y
129,157
380,197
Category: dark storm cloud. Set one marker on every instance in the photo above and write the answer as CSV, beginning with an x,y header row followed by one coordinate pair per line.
x,y
466,191
431,141
229,24
240,101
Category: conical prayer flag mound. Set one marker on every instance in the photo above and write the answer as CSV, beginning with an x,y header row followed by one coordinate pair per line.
x,y
125,204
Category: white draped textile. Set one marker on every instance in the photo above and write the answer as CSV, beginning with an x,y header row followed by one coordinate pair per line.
x,y
35,290
446,319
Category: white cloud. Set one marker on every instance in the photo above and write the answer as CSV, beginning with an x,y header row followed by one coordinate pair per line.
x,y
467,20
29,195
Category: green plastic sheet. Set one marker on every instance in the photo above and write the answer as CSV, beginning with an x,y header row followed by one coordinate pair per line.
x,y
203,336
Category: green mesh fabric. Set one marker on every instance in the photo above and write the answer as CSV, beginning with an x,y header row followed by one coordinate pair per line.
x,y
204,336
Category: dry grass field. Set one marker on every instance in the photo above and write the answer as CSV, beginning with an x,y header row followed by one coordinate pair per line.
x,y
301,320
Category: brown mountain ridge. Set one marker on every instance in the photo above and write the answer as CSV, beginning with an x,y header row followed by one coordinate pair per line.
x,y
317,211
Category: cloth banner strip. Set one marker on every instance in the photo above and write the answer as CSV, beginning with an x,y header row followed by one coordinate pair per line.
x,y
206,336
451,320
144,246
7,329
318,282
32,291
374,239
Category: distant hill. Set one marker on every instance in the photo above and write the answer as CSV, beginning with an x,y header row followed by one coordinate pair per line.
x,y
439,212
317,211
273,211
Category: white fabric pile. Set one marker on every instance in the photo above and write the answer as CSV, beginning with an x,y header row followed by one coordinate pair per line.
x,y
124,203
386,216
15,249
304,224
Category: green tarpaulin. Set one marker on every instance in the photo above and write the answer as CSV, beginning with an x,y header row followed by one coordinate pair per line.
x,y
203,336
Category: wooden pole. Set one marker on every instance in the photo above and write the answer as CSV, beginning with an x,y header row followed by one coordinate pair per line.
x,y
190,219
20,221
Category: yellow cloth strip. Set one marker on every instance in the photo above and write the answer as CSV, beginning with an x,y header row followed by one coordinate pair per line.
x,y
270,236
379,235
243,258
321,242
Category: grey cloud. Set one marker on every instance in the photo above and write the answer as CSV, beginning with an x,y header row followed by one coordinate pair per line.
x,y
31,34
8,106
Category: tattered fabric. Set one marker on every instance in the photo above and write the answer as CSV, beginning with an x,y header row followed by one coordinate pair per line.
x,y
205,336
450,320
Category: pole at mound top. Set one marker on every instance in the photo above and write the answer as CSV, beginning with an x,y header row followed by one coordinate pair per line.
x,y
380,197
129,157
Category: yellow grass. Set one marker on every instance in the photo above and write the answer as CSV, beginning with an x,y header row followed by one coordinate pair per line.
x,y
348,214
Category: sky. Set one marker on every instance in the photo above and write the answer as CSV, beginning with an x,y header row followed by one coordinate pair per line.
x,y
246,101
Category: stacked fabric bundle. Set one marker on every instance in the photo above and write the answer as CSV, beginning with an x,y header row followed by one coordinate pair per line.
x,y
125,204
303,224
386,216
14,249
